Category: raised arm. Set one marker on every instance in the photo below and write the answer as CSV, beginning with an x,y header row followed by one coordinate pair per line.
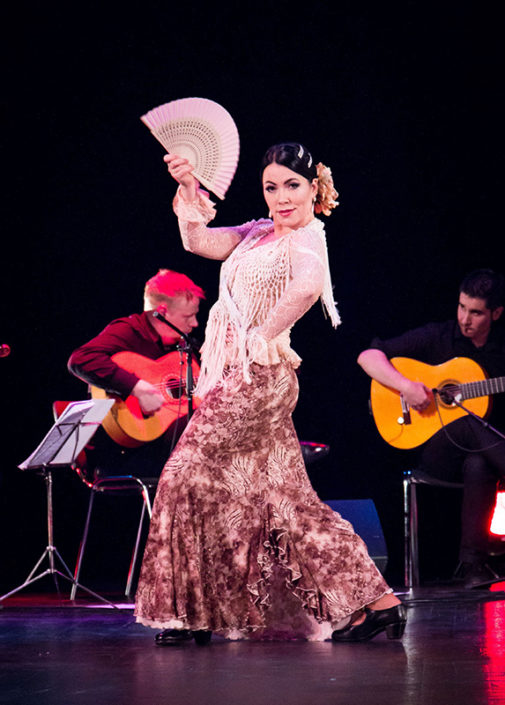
x,y
194,210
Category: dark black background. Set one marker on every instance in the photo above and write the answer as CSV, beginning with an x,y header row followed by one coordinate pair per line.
x,y
404,103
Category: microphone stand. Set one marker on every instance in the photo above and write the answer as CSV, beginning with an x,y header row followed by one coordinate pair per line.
x,y
185,346
449,398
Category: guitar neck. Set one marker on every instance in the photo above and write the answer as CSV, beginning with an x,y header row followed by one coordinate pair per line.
x,y
470,390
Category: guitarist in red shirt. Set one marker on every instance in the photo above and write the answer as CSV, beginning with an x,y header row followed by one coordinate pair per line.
x,y
139,435
463,450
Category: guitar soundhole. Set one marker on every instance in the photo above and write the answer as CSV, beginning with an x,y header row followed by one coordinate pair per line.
x,y
175,388
447,391
177,393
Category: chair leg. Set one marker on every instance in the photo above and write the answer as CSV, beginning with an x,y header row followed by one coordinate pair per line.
x,y
147,501
414,544
146,506
407,559
133,562
82,547
411,550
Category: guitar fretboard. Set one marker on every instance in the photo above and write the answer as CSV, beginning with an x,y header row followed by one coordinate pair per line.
x,y
470,390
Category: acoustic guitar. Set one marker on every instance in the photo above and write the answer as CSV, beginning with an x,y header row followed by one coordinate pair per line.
x,y
125,423
461,379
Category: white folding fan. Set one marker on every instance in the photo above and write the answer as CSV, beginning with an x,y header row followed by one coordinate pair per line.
x,y
204,133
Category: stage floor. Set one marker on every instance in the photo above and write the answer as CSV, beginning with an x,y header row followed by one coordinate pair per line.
x,y
61,653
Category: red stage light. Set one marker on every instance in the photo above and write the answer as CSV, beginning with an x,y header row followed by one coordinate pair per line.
x,y
498,521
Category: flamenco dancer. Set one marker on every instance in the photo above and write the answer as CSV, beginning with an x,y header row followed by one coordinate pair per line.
x,y
240,544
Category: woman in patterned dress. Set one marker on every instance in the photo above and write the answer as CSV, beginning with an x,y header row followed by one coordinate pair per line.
x,y
239,542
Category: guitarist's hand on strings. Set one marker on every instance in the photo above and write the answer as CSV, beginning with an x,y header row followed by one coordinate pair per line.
x,y
375,363
149,398
416,394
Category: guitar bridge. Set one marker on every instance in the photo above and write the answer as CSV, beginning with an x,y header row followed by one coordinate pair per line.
x,y
405,419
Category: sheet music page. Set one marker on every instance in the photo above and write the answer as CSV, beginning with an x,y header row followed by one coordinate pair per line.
x,y
71,432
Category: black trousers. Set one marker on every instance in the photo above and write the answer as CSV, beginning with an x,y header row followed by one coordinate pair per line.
x,y
465,451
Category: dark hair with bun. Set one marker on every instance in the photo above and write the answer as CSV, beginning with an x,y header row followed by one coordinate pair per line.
x,y
292,155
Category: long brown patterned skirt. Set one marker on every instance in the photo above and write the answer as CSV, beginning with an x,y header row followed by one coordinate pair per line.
x,y
239,542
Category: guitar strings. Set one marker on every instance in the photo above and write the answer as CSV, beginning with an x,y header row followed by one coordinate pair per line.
x,y
170,385
483,384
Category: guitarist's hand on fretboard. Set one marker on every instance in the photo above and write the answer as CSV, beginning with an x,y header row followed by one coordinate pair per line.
x,y
149,398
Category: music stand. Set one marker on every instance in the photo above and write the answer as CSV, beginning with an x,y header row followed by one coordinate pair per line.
x,y
60,447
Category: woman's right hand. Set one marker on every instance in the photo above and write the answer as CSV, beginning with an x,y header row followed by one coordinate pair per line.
x,y
181,170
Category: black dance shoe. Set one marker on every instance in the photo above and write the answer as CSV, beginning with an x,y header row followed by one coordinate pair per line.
x,y
392,621
173,637
202,637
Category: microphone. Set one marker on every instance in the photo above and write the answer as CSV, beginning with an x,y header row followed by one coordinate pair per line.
x,y
5,350
193,342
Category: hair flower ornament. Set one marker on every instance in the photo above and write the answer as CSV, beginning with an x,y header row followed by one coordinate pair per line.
x,y
326,199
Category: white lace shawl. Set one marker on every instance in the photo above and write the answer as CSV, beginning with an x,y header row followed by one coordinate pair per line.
x,y
264,288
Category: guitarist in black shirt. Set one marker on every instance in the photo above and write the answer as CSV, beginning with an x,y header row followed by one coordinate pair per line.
x,y
464,450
